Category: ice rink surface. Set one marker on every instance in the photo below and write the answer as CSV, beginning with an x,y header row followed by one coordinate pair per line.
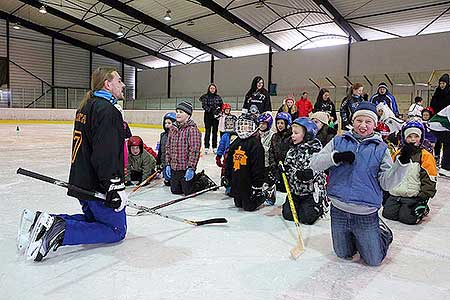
x,y
248,258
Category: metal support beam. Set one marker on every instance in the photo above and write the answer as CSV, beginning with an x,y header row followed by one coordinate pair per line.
x,y
135,84
53,73
347,73
211,79
227,15
269,75
411,78
331,82
91,59
389,80
368,81
147,20
8,83
68,39
348,80
340,21
101,31
315,83
169,79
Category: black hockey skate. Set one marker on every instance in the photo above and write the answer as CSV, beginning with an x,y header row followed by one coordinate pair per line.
x,y
47,233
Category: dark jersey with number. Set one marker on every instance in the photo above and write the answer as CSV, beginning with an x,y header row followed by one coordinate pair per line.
x,y
97,147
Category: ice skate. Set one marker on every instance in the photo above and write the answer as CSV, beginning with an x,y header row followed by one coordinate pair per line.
x,y
27,222
47,233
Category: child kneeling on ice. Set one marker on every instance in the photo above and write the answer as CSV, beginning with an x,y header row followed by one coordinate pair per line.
x,y
182,151
407,202
307,186
360,167
244,171
140,163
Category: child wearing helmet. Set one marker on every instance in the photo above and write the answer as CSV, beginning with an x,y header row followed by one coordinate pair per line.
x,y
279,146
407,201
227,120
228,135
360,168
168,120
244,169
265,133
140,163
307,186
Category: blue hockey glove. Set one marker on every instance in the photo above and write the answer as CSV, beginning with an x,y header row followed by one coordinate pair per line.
x,y
189,174
167,173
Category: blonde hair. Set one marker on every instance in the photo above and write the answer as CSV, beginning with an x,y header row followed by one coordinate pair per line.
x,y
97,81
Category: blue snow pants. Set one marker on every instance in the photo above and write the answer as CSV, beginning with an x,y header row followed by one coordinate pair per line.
x,y
98,224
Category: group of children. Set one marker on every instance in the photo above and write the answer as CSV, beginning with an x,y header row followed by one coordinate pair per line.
x,y
356,173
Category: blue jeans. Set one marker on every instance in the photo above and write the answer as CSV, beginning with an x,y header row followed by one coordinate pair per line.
x,y
351,233
98,224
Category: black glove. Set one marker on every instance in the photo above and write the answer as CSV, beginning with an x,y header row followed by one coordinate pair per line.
x,y
305,175
344,157
225,182
257,195
116,194
406,153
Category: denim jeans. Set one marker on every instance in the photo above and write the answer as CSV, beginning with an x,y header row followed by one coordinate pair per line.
x,y
352,233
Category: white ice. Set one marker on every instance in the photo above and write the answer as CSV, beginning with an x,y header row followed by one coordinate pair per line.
x,y
248,258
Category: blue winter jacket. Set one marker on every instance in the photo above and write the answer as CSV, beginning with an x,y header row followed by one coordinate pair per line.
x,y
358,182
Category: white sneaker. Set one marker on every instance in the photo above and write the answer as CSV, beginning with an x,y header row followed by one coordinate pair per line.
x,y
444,173
206,151
215,150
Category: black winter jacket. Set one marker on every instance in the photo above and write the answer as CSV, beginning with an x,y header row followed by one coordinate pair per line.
x,y
97,147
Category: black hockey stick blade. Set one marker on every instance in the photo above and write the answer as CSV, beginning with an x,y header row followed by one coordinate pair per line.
x,y
209,221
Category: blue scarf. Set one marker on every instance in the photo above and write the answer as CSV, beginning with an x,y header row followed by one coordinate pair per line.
x,y
106,95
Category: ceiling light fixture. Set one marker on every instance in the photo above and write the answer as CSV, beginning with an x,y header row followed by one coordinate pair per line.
x,y
167,17
120,33
16,26
43,10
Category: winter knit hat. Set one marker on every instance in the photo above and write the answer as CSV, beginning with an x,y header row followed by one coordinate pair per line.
x,y
186,107
383,85
366,109
411,130
321,116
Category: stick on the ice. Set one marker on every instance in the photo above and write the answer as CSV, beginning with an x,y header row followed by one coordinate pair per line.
x,y
191,222
300,247
140,212
149,178
103,197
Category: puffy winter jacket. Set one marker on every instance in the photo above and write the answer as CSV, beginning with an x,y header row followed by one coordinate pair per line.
x,y
304,107
144,162
420,179
297,158
183,146
348,107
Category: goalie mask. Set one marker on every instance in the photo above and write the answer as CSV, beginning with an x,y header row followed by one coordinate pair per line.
x,y
246,126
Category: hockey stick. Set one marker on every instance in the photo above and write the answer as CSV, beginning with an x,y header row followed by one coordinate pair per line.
x,y
191,222
149,178
300,247
143,211
102,197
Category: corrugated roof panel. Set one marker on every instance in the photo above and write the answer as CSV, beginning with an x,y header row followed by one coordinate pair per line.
x,y
305,19
32,14
180,10
330,28
93,40
123,50
371,34
287,39
405,23
242,47
152,62
211,29
351,9
258,18
440,25
150,42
